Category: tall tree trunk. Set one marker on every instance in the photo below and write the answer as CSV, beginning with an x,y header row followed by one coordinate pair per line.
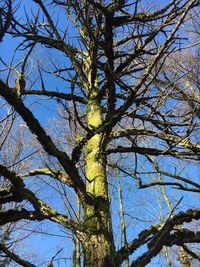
x,y
98,247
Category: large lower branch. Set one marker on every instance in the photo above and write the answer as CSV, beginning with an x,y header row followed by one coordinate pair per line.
x,y
46,213
16,215
15,257
179,237
45,140
182,236
42,210
142,239
158,236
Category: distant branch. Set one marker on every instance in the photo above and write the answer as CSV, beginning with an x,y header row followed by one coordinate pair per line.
x,y
175,185
57,95
181,141
150,151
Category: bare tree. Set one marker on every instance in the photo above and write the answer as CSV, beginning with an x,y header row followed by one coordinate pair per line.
x,y
107,72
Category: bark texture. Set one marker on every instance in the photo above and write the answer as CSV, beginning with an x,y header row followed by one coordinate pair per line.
x,y
98,247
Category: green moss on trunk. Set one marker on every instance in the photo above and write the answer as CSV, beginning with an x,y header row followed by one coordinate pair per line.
x,y
98,252
99,245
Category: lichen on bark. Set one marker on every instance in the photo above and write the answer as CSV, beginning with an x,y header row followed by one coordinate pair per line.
x,y
99,245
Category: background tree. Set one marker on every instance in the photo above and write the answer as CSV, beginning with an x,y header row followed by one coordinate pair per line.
x,y
120,108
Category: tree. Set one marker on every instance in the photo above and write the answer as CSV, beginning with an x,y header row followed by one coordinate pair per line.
x,y
122,112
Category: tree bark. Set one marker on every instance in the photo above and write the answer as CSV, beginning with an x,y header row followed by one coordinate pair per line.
x,y
98,247
98,251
